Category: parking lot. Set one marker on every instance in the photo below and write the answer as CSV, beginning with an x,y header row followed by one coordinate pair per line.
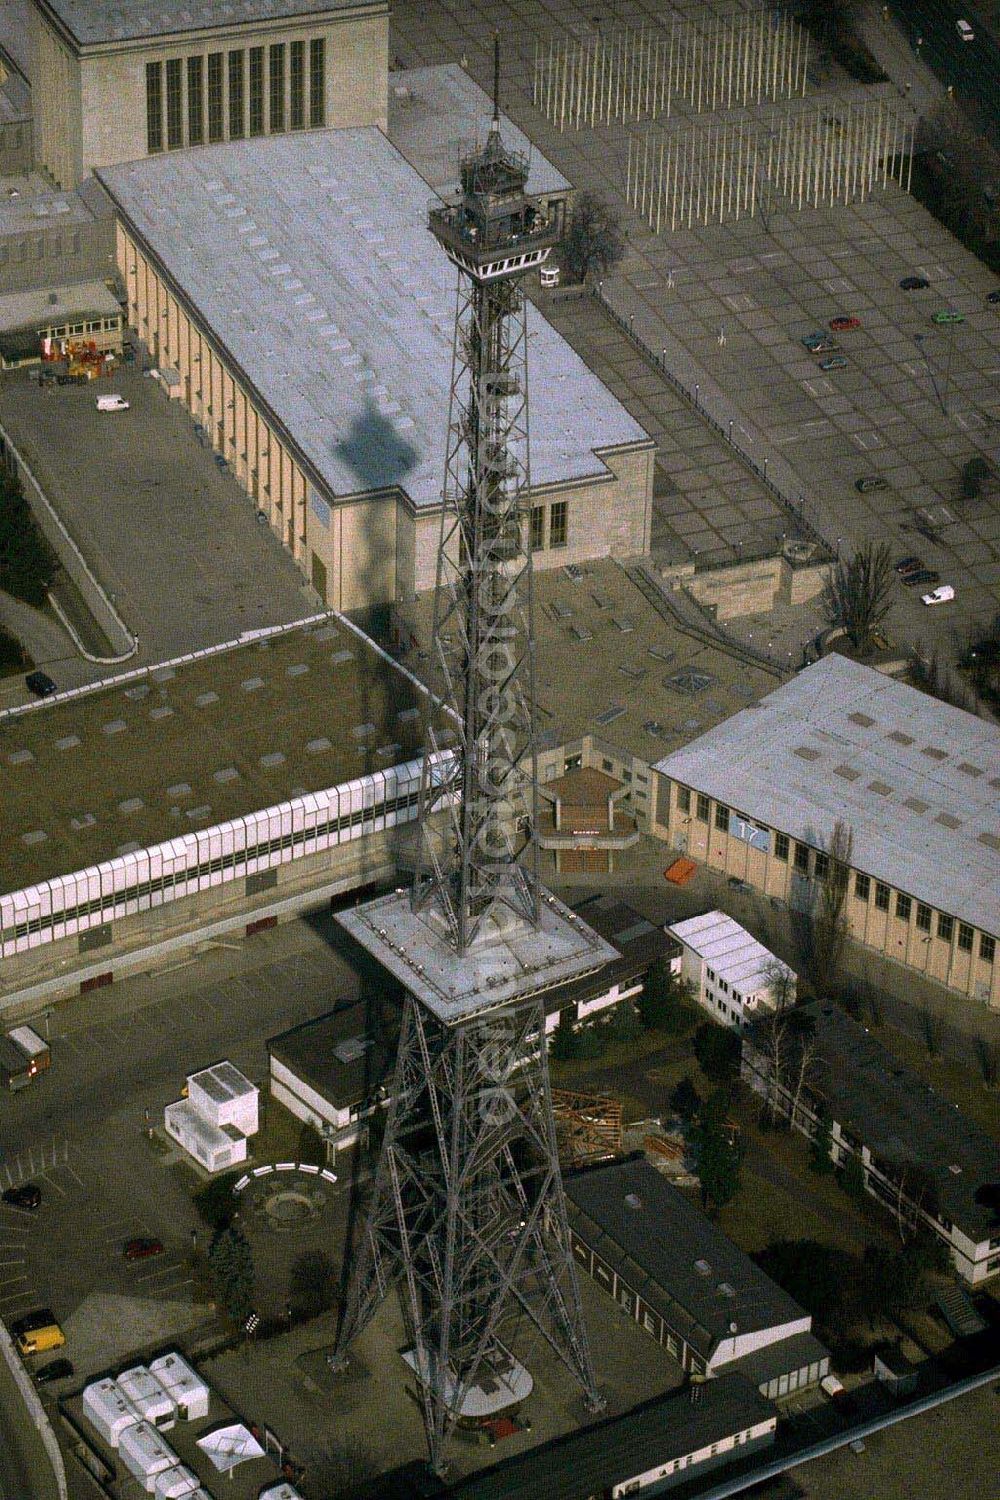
x,y
730,304
171,537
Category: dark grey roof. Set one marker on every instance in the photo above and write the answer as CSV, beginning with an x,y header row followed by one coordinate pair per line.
x,y
901,1119
310,1052
780,1358
91,22
916,780
673,1255
591,1461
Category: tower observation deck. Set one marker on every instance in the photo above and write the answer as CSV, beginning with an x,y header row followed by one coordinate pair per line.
x,y
467,1214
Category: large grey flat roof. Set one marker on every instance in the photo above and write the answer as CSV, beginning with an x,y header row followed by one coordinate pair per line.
x,y
94,21
172,750
917,781
310,259
639,1223
438,114
611,665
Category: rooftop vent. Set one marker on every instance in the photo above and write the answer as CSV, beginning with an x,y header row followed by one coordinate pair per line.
x,y
947,821
880,788
863,719
724,1289
933,753
632,1200
703,1268
806,752
901,738
964,765
847,772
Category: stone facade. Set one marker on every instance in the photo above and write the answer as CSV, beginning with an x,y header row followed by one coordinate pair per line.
x,y
370,549
102,103
938,944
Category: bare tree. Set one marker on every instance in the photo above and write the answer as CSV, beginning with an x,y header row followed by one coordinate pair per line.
x,y
781,983
858,594
804,1071
829,933
789,1044
595,239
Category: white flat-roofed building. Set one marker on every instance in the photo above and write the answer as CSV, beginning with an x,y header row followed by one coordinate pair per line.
x,y
187,1390
733,975
153,1403
145,1454
293,284
214,1147
108,1410
914,781
223,1096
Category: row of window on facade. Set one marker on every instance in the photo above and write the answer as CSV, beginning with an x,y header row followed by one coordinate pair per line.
x,y
37,247
815,864
228,95
75,330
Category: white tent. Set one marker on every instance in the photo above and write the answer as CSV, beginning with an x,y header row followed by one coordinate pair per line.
x,y
145,1454
148,1396
229,1446
186,1389
176,1484
108,1410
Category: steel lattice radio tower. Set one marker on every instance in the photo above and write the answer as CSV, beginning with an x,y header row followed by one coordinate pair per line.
x,y
467,1213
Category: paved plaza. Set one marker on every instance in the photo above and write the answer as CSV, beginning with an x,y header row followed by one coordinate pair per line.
x,y
727,306
170,536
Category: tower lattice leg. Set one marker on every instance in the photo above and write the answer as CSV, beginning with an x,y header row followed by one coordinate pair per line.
x,y
467,1212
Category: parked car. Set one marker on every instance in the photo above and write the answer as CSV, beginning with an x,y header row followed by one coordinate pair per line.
x,y
112,402
942,595
909,564
844,325
820,343
56,1369
27,1196
914,283
40,683
925,576
948,317
871,482
965,31
836,362
40,1318
141,1248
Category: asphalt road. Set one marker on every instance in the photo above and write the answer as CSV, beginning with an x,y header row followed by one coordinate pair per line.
x,y
973,68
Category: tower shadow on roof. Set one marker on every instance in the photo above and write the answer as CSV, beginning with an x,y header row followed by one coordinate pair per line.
x,y
375,451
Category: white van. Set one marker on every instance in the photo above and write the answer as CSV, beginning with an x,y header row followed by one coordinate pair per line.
x,y
965,31
112,403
